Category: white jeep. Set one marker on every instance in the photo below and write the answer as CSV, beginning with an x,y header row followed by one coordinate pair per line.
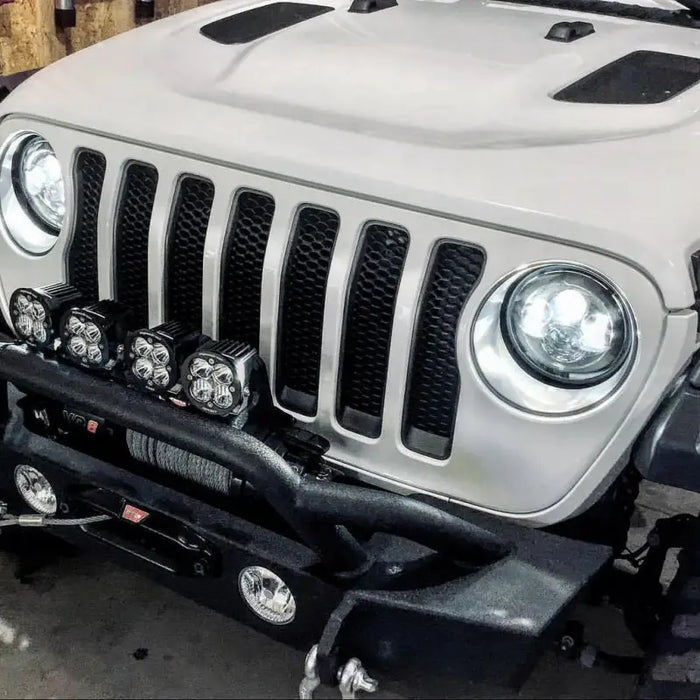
x,y
363,321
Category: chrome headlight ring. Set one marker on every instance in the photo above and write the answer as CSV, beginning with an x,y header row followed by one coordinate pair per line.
x,y
516,379
30,223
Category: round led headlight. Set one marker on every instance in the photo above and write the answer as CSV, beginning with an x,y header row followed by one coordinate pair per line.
x,y
566,326
32,193
41,182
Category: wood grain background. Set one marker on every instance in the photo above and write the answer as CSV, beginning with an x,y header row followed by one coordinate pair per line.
x,y
29,40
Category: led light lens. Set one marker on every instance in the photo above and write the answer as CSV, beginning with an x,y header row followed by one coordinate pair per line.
x,y
201,368
40,332
567,327
161,377
223,397
24,326
24,305
223,375
41,182
75,326
202,390
143,368
94,354
267,595
141,347
35,489
77,346
92,333
160,354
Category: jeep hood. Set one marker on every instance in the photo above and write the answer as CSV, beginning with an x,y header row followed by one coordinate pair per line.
x,y
441,106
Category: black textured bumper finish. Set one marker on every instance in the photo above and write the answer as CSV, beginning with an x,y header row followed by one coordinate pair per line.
x,y
414,615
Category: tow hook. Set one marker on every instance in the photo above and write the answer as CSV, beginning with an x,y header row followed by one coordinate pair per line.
x,y
352,677
39,520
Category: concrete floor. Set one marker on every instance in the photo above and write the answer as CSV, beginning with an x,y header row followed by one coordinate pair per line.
x,y
75,626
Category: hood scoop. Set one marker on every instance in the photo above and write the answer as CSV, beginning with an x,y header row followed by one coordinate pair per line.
x,y
244,27
639,78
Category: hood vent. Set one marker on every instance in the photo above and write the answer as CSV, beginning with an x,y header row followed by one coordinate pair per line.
x,y
250,25
640,78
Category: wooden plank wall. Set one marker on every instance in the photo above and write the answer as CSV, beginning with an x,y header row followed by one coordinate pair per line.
x,y
29,40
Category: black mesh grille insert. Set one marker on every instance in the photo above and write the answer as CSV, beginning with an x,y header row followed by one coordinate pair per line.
x,y
301,312
368,325
433,386
242,267
131,238
185,257
82,257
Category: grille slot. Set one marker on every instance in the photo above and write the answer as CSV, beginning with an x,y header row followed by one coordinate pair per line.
x,y
131,238
185,251
242,267
434,382
303,302
368,325
82,257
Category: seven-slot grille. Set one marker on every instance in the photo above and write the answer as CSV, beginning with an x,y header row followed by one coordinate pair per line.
x,y
368,312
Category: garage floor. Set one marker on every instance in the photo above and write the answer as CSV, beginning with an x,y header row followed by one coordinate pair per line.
x,y
74,626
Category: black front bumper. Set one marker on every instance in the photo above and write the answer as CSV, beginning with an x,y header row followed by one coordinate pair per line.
x,y
410,587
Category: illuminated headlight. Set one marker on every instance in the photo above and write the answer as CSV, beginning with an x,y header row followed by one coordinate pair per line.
x,y
153,357
567,326
32,193
35,489
41,181
36,313
216,378
94,337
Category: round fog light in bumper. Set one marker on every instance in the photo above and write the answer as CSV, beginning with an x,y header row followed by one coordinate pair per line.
x,y
35,489
267,595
